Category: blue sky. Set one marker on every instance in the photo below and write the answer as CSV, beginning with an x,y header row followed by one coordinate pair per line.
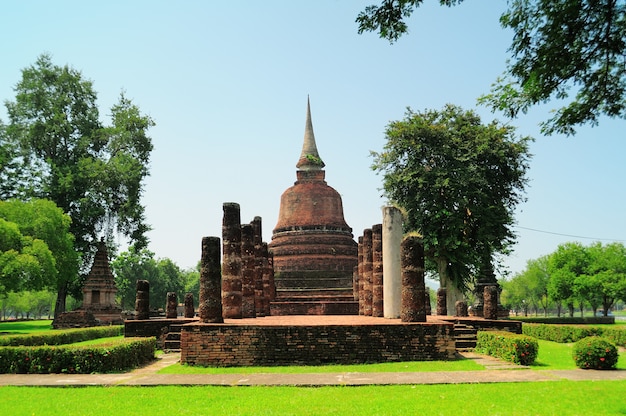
x,y
227,84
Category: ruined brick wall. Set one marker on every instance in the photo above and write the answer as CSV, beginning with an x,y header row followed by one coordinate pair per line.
x,y
241,345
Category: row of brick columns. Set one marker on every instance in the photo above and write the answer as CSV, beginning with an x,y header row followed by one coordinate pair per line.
x,y
389,277
390,272
247,277
238,285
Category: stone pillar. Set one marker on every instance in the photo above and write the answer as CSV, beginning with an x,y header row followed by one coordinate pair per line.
x,y
461,308
361,282
392,269
377,270
172,306
490,298
442,308
232,296
413,287
210,308
367,272
266,273
190,311
259,300
248,272
142,300
427,300
355,283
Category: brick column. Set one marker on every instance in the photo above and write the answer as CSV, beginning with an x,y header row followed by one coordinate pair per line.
x,y
172,305
442,308
210,308
490,297
367,272
266,274
461,308
413,287
190,311
392,269
259,294
361,282
377,270
248,272
232,296
142,300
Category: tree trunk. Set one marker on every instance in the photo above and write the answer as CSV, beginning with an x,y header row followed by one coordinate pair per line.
x,y
570,308
59,306
453,294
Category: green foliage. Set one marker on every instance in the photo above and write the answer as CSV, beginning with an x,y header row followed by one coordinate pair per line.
x,y
594,274
458,181
94,173
388,18
560,333
125,354
574,333
595,353
163,274
519,349
568,50
36,246
69,336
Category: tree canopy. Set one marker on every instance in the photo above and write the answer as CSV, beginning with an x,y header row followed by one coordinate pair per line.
x,y
576,274
36,247
571,51
458,181
93,172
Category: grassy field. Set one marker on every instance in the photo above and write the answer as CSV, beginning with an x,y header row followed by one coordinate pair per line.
x,y
541,398
25,327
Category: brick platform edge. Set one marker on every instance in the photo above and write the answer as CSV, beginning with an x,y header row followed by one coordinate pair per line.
x,y
255,345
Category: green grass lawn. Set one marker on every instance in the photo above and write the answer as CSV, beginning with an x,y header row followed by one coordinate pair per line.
x,y
457,365
541,398
25,327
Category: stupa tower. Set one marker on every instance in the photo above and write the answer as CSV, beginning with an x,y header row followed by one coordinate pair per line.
x,y
313,246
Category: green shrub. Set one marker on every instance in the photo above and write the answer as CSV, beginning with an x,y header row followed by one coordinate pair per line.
x,y
519,349
595,353
118,356
61,337
559,333
566,320
615,335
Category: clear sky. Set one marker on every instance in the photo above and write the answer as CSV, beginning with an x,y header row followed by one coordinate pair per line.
x,y
227,83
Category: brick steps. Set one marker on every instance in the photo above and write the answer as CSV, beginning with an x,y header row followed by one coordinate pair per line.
x,y
464,337
172,339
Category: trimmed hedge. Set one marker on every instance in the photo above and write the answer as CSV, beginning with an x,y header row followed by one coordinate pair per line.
x,y
559,333
69,336
595,353
519,349
567,320
119,356
573,333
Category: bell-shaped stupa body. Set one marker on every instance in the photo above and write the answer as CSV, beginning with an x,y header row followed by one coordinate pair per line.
x,y
312,245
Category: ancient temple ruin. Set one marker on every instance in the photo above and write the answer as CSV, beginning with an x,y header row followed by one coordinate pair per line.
x,y
312,245
99,290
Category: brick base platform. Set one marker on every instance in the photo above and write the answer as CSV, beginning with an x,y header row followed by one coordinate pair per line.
x,y
315,340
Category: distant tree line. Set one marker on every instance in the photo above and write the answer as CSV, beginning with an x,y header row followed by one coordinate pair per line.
x,y
571,278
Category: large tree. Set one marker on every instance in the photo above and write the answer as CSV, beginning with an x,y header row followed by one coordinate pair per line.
x,y
458,181
93,172
569,50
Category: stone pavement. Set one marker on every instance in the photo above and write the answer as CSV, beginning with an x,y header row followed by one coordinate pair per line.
x,y
496,372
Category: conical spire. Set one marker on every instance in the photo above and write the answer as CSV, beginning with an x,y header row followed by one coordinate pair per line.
x,y
309,158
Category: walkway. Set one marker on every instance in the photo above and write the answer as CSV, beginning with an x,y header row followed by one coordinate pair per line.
x,y
496,372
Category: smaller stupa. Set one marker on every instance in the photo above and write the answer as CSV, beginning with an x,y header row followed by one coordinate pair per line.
x,y
99,290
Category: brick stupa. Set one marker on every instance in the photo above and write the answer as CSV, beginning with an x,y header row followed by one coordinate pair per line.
x,y
99,290
312,245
